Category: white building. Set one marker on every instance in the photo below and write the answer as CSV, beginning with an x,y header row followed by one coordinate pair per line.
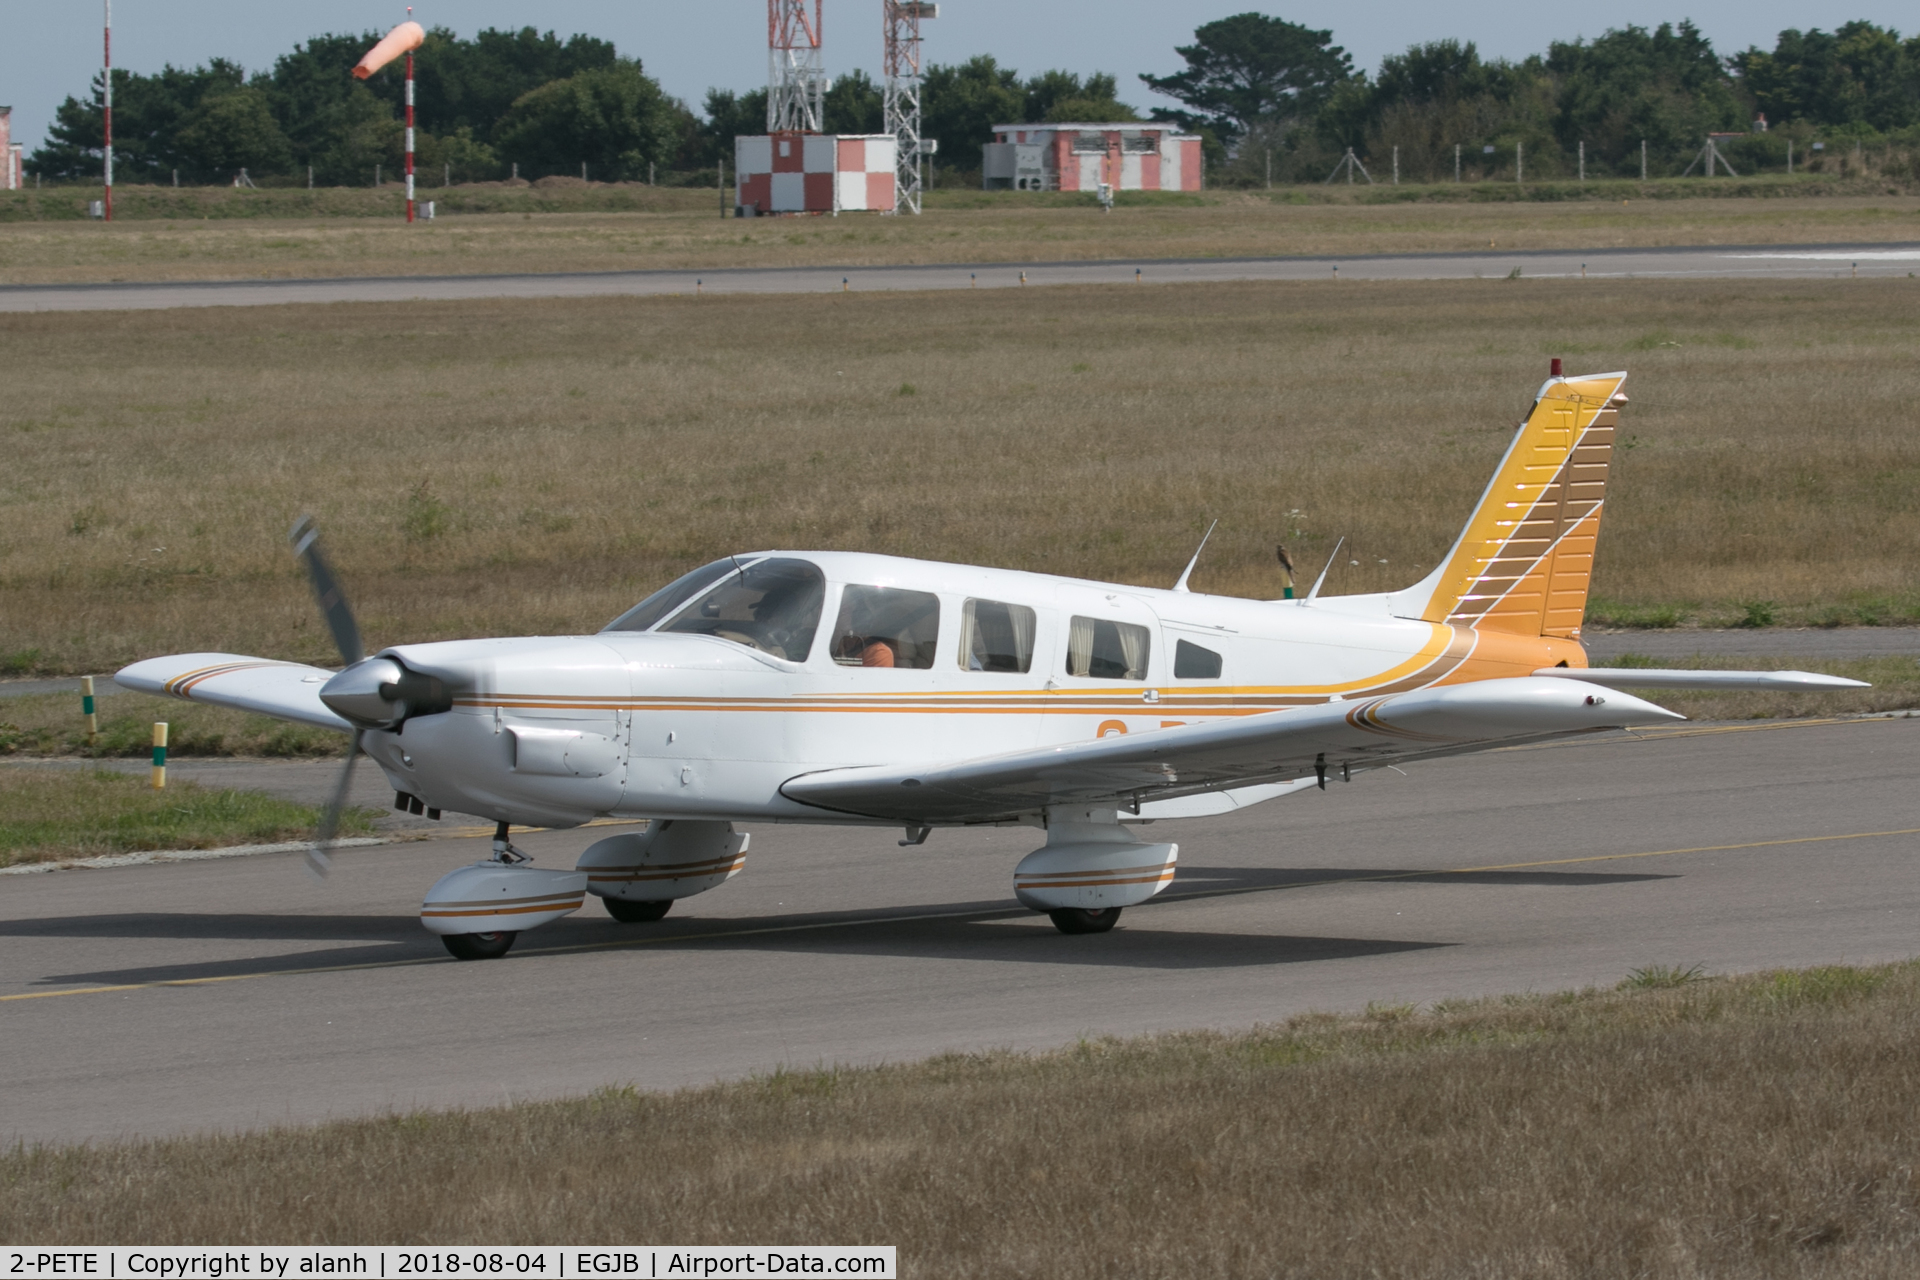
x,y
1080,157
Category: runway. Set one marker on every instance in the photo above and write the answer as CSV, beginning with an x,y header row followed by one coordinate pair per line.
x,y
1771,262
163,999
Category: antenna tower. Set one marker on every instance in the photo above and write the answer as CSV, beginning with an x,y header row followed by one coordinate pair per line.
x,y
900,21
796,78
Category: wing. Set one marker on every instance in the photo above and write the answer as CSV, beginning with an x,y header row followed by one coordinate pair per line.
x,y
1671,678
1274,747
284,690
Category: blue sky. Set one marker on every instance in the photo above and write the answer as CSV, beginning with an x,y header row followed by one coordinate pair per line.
x,y
50,50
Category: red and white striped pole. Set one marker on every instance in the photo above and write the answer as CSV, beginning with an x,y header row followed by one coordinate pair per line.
x,y
409,126
106,205
404,38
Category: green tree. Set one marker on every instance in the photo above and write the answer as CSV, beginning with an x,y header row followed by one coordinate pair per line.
x,y
1061,97
729,115
852,105
1251,69
1667,86
1860,74
961,103
230,131
615,120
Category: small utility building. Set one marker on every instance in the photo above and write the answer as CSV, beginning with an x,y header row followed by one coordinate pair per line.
x,y
1080,157
795,172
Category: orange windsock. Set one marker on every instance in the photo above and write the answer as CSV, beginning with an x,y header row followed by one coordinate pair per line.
x,y
404,38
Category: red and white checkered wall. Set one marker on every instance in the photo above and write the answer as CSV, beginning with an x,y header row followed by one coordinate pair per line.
x,y
814,172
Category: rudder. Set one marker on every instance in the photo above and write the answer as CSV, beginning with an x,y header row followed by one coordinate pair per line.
x,y
1524,562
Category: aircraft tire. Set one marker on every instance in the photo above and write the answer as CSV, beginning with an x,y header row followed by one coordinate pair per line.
x,y
1078,920
628,912
479,946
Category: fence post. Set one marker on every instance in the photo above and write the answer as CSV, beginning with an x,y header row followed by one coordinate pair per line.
x,y
1519,162
1456,162
1583,161
1643,159
723,188
1396,166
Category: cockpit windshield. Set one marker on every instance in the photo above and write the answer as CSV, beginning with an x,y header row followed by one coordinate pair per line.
x,y
772,605
644,615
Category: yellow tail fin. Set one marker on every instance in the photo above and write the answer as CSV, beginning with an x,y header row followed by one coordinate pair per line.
x,y
1524,562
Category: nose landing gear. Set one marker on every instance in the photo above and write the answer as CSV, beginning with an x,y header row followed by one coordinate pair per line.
x,y
467,906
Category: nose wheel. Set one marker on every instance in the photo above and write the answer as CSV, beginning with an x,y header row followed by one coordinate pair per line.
x,y
1084,919
479,946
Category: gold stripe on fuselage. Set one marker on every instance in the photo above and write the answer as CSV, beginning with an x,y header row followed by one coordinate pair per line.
x,y
1447,651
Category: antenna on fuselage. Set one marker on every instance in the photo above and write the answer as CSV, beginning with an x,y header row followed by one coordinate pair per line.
x,y
1324,572
1182,584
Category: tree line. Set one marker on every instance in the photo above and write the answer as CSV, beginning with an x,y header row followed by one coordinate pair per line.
x,y
1265,94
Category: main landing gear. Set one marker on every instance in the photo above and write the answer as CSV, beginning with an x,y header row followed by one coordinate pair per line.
x,y
1084,919
479,946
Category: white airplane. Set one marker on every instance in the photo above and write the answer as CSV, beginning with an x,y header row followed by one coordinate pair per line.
x,y
836,687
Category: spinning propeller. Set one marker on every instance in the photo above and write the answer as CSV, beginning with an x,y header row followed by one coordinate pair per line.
x,y
346,637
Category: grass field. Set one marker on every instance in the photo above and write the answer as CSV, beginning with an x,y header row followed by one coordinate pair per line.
x,y
48,814
1757,1126
51,725
682,231
521,467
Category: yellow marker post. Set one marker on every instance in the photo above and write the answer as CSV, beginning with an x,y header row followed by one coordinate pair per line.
x,y
86,709
159,755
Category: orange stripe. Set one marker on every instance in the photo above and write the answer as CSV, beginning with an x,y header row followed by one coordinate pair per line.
x,y
505,911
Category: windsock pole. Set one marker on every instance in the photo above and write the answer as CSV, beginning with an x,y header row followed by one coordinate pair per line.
x,y
106,206
409,131
404,38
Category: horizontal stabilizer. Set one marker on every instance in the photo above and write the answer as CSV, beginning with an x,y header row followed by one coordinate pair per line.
x,y
1275,747
1675,678
283,690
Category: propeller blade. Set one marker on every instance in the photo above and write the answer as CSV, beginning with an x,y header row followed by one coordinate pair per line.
x,y
317,860
326,589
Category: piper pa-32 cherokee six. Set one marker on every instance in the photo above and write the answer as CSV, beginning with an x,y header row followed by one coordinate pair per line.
x,y
836,687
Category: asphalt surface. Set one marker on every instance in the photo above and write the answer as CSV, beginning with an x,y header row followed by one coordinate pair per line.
x,y
162,999
1775,262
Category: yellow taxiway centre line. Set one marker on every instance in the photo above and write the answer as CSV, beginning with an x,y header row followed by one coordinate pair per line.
x,y
625,943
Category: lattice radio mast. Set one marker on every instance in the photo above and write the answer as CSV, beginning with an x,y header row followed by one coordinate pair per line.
x,y
900,22
796,77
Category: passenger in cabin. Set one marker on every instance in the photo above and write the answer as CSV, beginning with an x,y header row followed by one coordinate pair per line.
x,y
886,627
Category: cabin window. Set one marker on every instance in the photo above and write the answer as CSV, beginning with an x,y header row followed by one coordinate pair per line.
x,y
1089,144
1107,650
644,615
886,627
995,636
1194,662
771,605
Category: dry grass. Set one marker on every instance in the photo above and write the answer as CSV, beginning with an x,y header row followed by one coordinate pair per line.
x,y
995,229
49,814
520,467
51,725
1759,1126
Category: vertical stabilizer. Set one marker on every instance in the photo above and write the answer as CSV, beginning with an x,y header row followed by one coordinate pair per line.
x,y
1525,560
